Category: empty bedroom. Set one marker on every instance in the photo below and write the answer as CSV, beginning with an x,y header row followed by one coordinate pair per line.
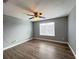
x,y
39,29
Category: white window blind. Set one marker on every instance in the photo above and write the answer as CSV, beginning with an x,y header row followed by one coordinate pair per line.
x,y
47,29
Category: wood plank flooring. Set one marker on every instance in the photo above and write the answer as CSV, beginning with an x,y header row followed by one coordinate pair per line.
x,y
38,49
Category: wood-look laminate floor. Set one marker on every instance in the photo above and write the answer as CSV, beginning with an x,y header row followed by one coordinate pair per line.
x,y
37,49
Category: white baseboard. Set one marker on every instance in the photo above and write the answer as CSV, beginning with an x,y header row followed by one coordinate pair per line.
x,y
72,50
17,44
40,39
51,40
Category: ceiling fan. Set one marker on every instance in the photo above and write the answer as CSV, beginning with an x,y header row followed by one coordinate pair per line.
x,y
36,15
32,9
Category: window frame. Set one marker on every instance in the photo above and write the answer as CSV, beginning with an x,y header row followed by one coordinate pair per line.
x,y
52,24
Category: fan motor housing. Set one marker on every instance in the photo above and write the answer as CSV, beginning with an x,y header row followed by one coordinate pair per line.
x,y
36,14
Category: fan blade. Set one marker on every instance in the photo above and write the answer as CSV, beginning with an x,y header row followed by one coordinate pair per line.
x,y
38,2
22,6
31,18
29,14
35,4
42,17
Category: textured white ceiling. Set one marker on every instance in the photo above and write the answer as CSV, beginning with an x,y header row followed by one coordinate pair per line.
x,y
49,8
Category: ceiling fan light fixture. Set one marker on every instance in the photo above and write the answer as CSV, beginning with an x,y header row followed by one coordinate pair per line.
x,y
36,18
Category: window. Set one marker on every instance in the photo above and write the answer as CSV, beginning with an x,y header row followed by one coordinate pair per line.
x,y
47,29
